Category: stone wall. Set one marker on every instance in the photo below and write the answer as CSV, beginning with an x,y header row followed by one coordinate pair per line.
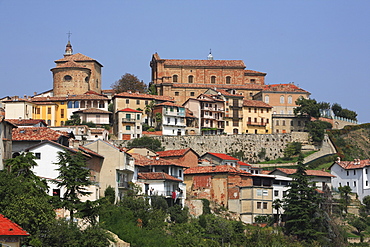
x,y
244,146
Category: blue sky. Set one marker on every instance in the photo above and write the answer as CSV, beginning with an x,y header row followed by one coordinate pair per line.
x,y
321,46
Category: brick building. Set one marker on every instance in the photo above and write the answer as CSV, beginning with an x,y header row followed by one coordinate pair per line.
x,y
183,79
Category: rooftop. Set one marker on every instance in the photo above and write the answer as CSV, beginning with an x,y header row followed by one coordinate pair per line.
x,y
36,134
157,176
9,228
316,173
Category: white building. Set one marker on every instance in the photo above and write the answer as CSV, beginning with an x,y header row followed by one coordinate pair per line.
x,y
355,174
172,118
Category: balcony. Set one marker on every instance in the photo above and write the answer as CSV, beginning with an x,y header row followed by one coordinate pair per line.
x,y
174,113
128,120
123,185
256,123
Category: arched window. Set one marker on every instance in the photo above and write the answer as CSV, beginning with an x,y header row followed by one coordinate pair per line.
x,y
70,104
289,99
282,99
190,79
213,79
228,79
174,78
267,99
68,78
77,104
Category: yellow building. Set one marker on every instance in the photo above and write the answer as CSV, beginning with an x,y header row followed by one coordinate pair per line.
x,y
53,112
257,117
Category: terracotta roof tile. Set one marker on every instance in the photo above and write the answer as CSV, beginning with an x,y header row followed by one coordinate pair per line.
x,y
256,103
155,161
36,134
169,104
94,110
143,96
73,150
71,97
204,63
26,122
248,86
75,57
129,110
157,176
171,153
96,130
283,88
226,93
241,163
316,173
9,228
353,164
71,64
223,156
215,169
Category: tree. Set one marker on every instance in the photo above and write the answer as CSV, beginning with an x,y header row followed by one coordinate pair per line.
x,y
359,224
307,107
158,120
129,82
302,209
147,142
345,199
277,204
149,111
75,120
74,178
292,148
317,129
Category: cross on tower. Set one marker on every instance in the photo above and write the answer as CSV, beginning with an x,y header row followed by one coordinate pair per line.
x,y
69,35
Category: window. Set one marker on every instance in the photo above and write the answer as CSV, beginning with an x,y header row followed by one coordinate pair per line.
x,y
255,110
289,99
283,122
138,117
146,102
366,170
267,120
259,192
128,127
138,127
128,116
37,110
168,120
49,122
56,192
49,110
347,173
255,120
267,99
265,192
77,104
228,79
347,183
62,113
354,172
262,110
277,122
86,79
190,79
174,78
299,123
259,205
265,205
68,78
213,79
192,93
180,173
127,101
176,93
97,83
38,156
282,99
101,104
367,183
354,183
253,80
138,102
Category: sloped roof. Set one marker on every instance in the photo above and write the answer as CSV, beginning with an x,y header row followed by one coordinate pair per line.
x,y
353,164
9,228
75,57
129,110
222,156
71,97
215,169
93,110
71,64
256,103
141,160
226,93
204,63
248,86
36,134
169,104
26,122
157,176
90,152
174,153
143,96
316,173
73,150
283,88
241,163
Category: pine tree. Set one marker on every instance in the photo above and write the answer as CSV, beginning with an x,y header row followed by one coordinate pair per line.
x,y
74,178
302,207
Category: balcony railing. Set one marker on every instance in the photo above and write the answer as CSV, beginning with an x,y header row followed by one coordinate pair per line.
x,y
128,120
256,123
123,185
174,113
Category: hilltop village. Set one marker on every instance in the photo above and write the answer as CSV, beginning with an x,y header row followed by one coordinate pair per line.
x,y
192,99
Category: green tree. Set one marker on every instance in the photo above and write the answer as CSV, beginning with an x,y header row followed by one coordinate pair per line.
x,y
360,226
145,141
75,120
24,198
302,207
129,82
277,204
292,148
317,129
74,178
345,198
307,107
158,120
149,111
